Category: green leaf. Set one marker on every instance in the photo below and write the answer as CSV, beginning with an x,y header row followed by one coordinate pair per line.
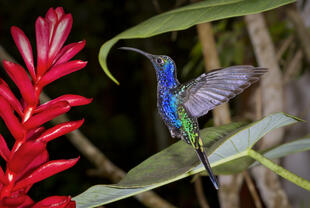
x,y
174,160
187,16
289,148
224,144
243,163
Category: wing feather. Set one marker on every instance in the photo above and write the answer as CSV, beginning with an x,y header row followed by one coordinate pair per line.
x,y
216,87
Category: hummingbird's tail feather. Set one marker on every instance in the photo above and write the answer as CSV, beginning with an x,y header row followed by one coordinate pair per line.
x,y
204,159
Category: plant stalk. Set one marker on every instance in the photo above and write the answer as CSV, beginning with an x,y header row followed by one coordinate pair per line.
x,y
299,181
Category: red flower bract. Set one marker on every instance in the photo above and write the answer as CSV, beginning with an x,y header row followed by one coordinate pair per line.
x,y
28,160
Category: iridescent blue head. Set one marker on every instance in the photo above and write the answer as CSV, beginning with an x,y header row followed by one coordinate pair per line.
x,y
164,66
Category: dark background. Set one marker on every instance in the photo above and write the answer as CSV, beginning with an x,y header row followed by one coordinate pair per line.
x,y
122,120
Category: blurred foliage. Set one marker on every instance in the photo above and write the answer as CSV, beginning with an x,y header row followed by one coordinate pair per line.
x,y
120,121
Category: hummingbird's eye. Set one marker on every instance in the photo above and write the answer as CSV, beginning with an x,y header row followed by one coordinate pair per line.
x,y
160,61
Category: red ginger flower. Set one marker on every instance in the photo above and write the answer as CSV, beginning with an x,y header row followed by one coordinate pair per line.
x,y
28,160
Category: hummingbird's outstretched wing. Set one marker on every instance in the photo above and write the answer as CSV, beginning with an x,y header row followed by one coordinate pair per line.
x,y
216,87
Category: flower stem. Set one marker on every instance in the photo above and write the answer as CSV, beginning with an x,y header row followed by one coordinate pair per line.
x,y
299,181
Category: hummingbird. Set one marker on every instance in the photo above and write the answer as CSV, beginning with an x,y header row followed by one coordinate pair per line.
x,y
180,105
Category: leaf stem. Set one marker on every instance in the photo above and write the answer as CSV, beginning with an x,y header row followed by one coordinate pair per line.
x,y
299,181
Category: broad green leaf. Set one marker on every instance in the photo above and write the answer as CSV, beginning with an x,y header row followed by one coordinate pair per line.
x,y
174,160
289,148
114,194
235,147
222,149
243,163
187,16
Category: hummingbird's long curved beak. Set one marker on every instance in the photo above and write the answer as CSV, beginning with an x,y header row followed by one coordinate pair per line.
x,y
148,55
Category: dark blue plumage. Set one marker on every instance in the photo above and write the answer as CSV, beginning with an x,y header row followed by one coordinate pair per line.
x,y
179,105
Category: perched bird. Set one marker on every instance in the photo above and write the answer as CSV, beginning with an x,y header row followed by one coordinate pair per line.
x,y
180,105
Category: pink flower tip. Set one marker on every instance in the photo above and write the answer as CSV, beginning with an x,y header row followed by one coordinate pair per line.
x,y
61,70
60,130
68,52
73,100
59,12
19,76
44,171
7,94
55,110
24,47
15,29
